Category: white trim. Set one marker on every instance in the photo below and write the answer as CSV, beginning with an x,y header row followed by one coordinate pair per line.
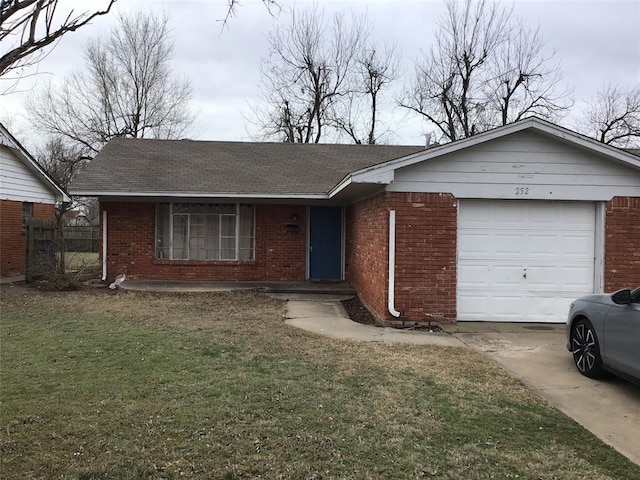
x,y
392,264
27,159
274,196
599,251
377,172
104,245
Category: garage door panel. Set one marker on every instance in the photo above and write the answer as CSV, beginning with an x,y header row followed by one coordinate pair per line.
x,y
579,246
500,241
577,278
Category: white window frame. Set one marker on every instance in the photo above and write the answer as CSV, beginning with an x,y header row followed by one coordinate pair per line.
x,y
170,226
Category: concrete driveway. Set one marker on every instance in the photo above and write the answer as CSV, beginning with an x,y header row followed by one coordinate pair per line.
x,y
536,354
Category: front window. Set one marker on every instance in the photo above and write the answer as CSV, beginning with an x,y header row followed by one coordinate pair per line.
x,y
203,231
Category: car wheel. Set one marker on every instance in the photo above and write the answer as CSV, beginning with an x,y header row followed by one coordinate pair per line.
x,y
586,349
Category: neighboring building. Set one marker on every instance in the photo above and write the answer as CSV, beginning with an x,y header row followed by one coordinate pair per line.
x,y
507,225
26,191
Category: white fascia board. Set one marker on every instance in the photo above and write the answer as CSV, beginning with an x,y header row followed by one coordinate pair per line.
x,y
378,171
371,177
344,183
96,193
382,177
589,143
27,159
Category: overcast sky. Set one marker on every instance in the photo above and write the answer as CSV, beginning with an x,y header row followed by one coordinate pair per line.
x,y
598,42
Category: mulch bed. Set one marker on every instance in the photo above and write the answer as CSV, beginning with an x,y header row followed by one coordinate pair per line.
x,y
359,313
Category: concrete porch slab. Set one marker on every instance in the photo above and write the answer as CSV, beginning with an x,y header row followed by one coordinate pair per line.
x,y
311,287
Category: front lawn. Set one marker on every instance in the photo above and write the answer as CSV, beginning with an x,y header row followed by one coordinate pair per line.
x,y
102,385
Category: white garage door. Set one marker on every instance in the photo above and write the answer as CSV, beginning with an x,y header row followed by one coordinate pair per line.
x,y
523,261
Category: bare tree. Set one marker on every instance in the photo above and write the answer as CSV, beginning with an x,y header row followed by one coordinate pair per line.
x,y
308,70
124,89
613,117
484,70
232,9
62,162
28,26
357,113
525,81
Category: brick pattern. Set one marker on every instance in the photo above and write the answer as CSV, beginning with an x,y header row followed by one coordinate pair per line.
x,y
426,229
426,242
622,243
279,254
13,236
425,270
366,252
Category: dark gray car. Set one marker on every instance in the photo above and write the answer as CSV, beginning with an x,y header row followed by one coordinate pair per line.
x,y
603,333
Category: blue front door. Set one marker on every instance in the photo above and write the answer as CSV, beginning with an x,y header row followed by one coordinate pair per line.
x,y
325,243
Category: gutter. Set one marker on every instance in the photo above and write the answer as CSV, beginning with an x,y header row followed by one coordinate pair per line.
x,y
392,265
156,195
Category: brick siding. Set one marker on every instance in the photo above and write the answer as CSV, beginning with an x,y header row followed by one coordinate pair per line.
x,y
425,270
279,255
366,252
622,243
13,236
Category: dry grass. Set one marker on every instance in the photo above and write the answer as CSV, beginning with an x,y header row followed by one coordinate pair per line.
x,y
103,385
81,261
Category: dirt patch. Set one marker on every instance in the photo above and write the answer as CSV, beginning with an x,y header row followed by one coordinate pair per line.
x,y
358,312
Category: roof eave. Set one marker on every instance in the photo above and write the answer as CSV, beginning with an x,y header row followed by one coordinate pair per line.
x,y
533,122
160,194
34,167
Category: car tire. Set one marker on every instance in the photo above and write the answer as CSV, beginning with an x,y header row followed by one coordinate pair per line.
x,y
586,349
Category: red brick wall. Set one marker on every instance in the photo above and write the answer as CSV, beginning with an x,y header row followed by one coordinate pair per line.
x,y
426,242
425,270
13,236
279,255
622,243
366,252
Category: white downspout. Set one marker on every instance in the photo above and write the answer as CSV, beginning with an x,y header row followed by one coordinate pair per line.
x,y
104,245
392,264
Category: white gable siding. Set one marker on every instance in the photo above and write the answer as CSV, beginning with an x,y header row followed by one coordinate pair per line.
x,y
18,183
524,165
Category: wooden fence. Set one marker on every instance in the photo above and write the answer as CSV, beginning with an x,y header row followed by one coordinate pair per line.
x,y
41,248
81,238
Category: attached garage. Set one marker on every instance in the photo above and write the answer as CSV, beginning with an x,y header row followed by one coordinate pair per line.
x,y
510,225
523,261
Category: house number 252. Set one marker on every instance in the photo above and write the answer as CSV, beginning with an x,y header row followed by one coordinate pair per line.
x,y
522,190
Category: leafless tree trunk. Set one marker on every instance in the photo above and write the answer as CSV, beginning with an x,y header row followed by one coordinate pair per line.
x,y
309,69
527,81
125,89
613,117
357,112
28,26
62,162
484,70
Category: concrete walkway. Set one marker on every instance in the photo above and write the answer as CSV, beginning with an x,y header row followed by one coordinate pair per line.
x,y
325,315
311,287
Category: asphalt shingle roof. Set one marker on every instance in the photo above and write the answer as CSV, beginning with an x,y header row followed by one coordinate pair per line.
x,y
203,167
